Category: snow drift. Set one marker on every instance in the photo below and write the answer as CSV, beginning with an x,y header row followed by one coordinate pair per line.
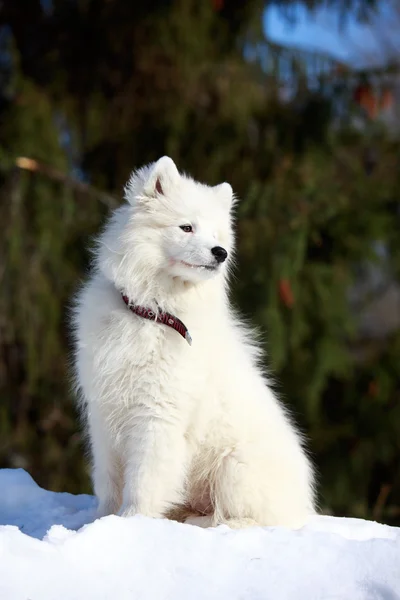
x,y
50,549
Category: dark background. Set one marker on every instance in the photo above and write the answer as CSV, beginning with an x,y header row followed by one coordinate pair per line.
x,y
91,89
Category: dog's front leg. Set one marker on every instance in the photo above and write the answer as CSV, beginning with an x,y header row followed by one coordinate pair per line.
x,y
156,459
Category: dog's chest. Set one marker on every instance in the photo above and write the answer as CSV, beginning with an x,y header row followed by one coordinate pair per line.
x,y
148,366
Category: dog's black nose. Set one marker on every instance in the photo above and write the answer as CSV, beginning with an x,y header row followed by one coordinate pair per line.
x,y
219,253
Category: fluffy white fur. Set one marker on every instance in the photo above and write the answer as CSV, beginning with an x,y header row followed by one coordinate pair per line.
x,y
187,432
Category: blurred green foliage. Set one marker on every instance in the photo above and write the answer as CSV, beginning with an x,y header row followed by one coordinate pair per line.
x,y
94,89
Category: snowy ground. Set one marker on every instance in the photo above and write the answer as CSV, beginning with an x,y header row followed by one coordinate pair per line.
x,y
43,557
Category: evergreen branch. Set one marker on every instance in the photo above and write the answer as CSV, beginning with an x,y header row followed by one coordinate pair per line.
x,y
32,165
378,509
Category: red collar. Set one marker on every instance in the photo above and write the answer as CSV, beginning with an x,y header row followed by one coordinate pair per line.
x,y
163,317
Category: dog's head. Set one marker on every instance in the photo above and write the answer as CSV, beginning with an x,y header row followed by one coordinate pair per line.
x,y
173,225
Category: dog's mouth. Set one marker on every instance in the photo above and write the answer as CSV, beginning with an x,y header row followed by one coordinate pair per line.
x,y
205,267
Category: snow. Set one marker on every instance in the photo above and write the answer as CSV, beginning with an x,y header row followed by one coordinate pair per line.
x,y
50,549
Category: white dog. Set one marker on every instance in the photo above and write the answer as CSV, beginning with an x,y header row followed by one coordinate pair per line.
x,y
181,430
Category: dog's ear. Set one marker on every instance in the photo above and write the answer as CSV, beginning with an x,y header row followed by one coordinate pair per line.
x,y
224,193
162,178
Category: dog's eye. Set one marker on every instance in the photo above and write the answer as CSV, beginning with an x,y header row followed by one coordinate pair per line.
x,y
186,228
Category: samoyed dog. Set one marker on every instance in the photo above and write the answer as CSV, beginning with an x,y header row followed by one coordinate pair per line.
x,y
181,419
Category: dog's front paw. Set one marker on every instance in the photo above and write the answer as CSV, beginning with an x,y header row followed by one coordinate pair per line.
x,y
127,511
131,510
106,507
